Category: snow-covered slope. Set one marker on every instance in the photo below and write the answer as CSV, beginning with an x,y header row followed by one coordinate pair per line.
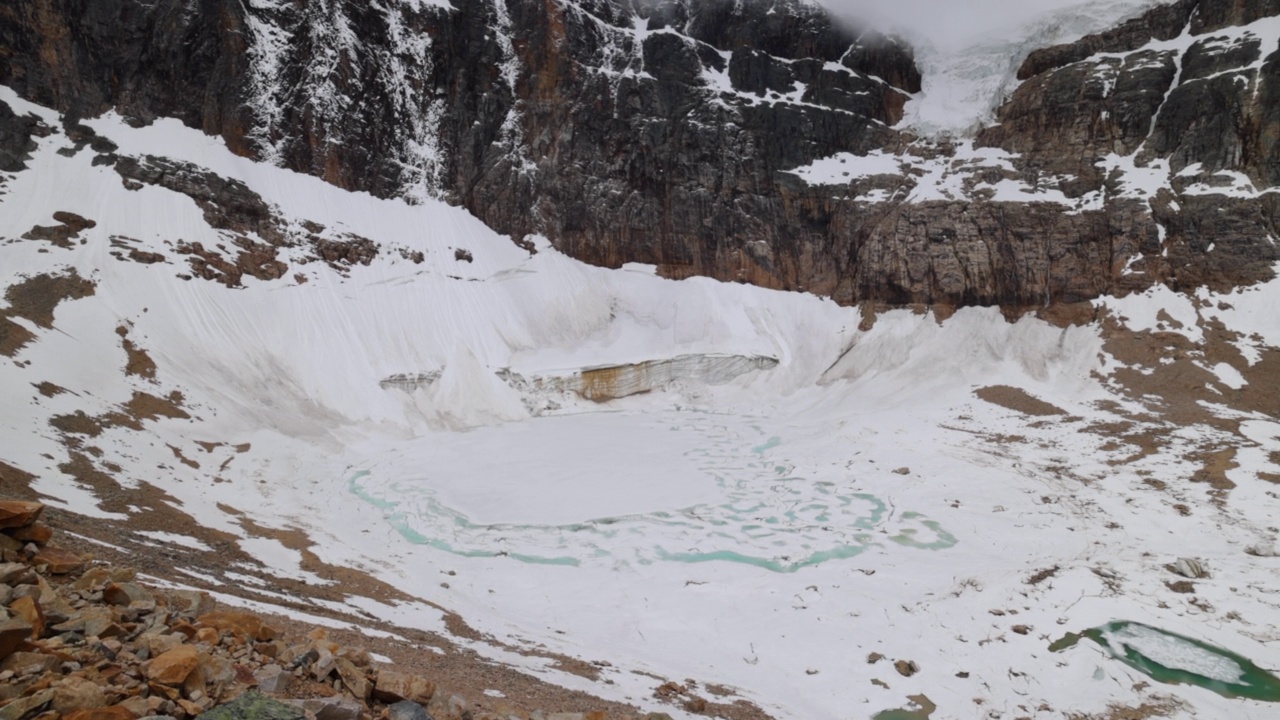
x,y
803,485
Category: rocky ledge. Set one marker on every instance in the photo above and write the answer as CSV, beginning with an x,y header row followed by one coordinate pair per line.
x,y
683,134
84,640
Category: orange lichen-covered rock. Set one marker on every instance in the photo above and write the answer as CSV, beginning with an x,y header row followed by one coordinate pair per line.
x,y
19,513
241,623
173,667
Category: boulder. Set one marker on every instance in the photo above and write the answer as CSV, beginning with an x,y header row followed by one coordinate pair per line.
x,y
393,686
254,706
14,573
243,624
1189,567
76,693
112,712
406,710
100,622
16,709
272,678
330,708
191,603
99,576
36,532
137,705
19,513
354,679
58,560
13,633
29,610
30,663
126,593
158,644
173,667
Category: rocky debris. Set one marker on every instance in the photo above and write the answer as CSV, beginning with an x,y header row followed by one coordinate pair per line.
x,y
227,204
254,259
120,244
82,136
255,706
16,133
348,249
394,687
906,668
93,643
673,148
69,228
252,226
405,710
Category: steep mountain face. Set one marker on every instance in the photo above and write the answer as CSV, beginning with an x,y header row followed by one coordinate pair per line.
x,y
1175,109
744,141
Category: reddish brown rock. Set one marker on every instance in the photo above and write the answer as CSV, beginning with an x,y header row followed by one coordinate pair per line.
x,y
126,593
14,632
173,667
29,611
112,712
243,624
33,663
36,532
24,705
58,560
191,603
96,577
76,693
19,513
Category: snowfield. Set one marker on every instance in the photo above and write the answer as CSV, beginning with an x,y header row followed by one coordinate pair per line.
x,y
958,493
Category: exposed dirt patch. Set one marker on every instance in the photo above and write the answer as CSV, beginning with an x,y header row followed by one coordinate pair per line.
x,y
144,406
16,483
13,337
1068,314
1018,400
1041,575
1157,709
77,423
1216,465
36,297
48,389
139,363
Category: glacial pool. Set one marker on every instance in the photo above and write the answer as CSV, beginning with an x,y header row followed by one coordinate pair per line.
x,y
618,488
1175,659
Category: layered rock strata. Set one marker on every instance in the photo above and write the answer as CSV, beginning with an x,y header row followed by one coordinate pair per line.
x,y
681,134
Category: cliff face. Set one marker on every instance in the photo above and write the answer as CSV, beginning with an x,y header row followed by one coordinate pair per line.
x,y
699,136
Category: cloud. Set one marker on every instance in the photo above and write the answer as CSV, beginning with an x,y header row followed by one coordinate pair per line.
x,y
950,25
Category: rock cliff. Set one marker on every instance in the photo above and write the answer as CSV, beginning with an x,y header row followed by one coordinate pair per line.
x,y
707,137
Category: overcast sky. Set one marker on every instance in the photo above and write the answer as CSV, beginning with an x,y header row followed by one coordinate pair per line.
x,y
953,24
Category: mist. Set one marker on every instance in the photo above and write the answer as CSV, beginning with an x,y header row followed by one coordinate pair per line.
x,y
948,26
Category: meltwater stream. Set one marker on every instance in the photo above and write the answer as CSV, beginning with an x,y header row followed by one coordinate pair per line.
x,y
614,488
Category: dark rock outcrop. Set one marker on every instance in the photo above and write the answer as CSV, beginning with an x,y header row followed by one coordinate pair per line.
x,y
15,138
663,132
